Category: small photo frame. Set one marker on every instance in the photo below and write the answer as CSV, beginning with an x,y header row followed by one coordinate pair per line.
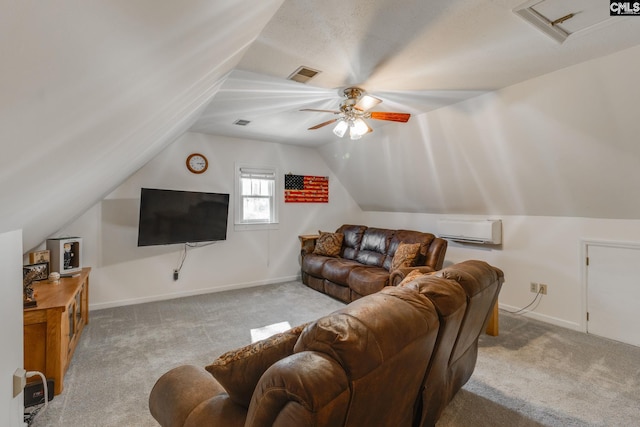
x,y
41,271
38,257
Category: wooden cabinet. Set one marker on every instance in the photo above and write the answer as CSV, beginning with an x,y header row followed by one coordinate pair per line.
x,y
53,328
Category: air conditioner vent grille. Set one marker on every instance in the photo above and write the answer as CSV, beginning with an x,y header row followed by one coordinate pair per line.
x,y
303,74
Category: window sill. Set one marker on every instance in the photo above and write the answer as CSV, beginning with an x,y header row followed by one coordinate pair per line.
x,y
250,227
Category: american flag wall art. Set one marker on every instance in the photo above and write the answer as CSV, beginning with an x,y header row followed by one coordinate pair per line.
x,y
306,189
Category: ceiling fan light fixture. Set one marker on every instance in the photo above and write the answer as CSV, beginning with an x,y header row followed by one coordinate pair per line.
x,y
358,128
352,112
340,128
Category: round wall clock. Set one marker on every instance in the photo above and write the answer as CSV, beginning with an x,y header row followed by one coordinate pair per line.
x,y
197,163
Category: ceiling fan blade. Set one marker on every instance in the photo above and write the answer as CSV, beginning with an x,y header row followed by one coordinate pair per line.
x,y
394,117
318,126
369,130
321,111
367,102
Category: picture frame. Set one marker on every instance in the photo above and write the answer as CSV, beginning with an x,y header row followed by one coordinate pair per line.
x,y
38,257
41,271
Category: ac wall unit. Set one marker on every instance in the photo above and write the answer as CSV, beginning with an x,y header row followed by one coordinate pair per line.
x,y
484,231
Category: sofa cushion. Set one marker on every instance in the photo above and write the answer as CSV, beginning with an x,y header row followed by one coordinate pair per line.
x,y
337,270
373,249
238,371
405,255
352,239
312,264
368,280
329,244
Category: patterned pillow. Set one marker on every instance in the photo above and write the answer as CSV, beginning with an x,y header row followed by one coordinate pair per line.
x,y
329,244
239,371
405,255
409,277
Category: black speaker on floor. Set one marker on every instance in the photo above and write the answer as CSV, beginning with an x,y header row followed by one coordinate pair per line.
x,y
34,393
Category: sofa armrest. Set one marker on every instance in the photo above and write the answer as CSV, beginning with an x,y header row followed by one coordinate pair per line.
x,y
306,388
399,274
181,390
436,253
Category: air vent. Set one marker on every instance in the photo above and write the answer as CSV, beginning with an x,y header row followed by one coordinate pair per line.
x,y
303,74
241,122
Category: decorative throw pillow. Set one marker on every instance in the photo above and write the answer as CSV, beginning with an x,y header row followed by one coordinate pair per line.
x,y
409,277
239,371
328,244
405,255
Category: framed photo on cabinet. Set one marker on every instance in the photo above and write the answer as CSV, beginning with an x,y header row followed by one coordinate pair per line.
x,y
38,257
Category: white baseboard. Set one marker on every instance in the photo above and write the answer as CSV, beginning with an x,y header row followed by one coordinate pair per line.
x,y
545,318
163,297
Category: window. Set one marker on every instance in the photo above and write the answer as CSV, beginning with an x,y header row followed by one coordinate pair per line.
x,y
256,195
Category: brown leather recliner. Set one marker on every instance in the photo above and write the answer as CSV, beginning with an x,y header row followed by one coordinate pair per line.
x,y
464,295
395,358
361,365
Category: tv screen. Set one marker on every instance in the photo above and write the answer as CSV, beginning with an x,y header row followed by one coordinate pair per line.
x,y
170,216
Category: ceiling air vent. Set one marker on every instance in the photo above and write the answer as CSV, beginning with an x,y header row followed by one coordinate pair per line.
x,y
241,122
303,74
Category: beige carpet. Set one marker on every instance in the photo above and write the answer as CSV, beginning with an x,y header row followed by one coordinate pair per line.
x,y
536,374
533,374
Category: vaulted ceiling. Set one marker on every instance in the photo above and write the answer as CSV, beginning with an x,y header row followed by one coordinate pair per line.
x,y
91,91
416,56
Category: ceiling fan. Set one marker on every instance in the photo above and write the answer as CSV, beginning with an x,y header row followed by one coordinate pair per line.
x,y
353,110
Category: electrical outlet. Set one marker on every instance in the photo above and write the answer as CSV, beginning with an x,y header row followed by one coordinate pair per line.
x,y
533,287
19,381
543,289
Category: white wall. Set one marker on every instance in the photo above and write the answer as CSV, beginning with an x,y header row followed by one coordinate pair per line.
x,y
556,157
534,249
11,356
93,90
562,144
123,273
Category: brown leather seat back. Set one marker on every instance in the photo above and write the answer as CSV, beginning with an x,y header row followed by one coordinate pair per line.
x,y
375,243
409,236
380,340
352,239
450,301
482,283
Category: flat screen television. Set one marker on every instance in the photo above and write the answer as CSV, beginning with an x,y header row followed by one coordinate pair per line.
x,y
169,216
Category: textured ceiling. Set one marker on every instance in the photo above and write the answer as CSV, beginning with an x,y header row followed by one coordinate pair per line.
x,y
416,55
93,91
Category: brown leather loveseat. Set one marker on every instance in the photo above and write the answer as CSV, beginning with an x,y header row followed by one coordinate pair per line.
x,y
391,359
362,260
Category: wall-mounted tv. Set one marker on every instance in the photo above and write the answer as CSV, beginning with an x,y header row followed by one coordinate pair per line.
x,y
170,216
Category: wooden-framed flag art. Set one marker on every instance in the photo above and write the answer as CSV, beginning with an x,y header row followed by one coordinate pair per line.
x,y
306,189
